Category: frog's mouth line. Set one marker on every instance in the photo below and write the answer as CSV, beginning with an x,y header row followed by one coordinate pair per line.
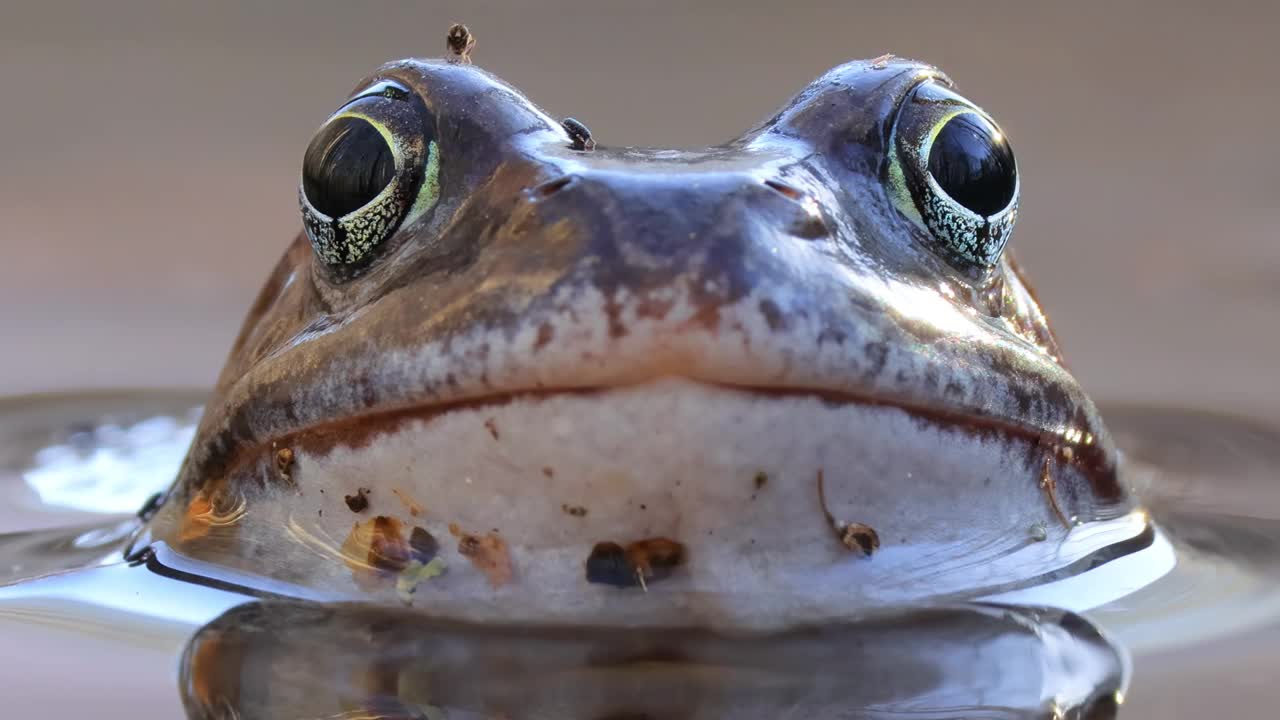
x,y
358,431
832,503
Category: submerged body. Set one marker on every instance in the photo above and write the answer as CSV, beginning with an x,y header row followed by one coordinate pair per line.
x,y
785,379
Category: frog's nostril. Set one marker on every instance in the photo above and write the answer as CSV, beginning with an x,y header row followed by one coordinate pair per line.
x,y
810,223
785,190
551,187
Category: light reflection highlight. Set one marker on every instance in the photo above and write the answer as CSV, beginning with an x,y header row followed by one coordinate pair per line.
x,y
111,468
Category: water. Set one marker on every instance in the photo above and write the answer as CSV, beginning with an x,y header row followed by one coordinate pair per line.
x,y
267,660
1183,627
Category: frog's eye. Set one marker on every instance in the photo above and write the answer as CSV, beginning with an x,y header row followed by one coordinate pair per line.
x,y
346,166
952,172
370,169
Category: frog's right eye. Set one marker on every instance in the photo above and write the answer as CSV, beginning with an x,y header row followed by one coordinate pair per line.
x,y
370,169
346,166
952,172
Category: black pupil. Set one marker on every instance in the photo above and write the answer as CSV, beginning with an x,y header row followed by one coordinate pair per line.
x,y
347,165
972,162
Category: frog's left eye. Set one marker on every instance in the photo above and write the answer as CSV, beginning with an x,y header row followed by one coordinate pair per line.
x,y
370,169
952,171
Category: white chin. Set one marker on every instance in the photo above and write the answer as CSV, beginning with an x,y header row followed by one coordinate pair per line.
x,y
729,474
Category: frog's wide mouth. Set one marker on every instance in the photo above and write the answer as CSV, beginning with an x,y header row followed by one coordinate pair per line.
x,y
355,430
359,429
773,497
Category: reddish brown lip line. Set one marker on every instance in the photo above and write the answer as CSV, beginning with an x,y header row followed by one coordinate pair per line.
x,y
358,431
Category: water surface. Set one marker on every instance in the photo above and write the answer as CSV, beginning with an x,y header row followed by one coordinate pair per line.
x,y
1190,621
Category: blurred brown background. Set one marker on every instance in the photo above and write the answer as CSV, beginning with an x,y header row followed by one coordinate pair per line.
x,y
149,156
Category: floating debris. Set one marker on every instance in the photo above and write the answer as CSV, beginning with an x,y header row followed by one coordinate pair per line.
x,y
1050,487
607,565
377,549
388,549
857,536
407,582
489,555
423,545
285,460
359,502
654,559
853,535
492,426
636,565
414,507
574,510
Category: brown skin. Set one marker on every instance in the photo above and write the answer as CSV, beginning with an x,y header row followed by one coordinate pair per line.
x,y
527,232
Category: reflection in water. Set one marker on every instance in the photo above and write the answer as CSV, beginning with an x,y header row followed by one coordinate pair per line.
x,y
284,659
36,553
107,467
92,453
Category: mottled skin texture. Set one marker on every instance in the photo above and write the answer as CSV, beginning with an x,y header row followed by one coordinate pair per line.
x,y
776,263
499,256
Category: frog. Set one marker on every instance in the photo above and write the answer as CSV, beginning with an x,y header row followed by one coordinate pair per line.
x,y
506,372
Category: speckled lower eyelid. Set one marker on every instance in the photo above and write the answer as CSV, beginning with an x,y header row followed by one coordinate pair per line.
x,y
966,237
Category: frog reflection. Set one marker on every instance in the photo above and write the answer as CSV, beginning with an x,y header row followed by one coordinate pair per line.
x,y
948,662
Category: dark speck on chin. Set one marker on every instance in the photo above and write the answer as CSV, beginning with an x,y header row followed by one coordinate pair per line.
x,y
358,502
607,565
423,545
640,562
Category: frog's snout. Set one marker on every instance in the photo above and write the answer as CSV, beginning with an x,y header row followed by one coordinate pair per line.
x,y
656,220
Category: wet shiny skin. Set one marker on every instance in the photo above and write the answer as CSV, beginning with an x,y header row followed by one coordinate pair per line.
x,y
652,308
